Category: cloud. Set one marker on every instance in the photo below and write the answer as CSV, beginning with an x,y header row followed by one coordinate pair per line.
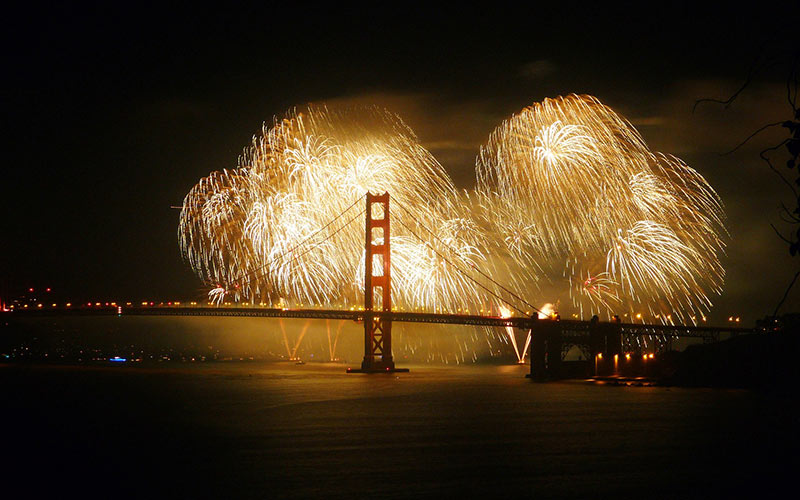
x,y
648,121
536,70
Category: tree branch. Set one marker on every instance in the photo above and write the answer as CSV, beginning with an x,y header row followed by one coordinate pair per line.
x,y
754,69
772,167
785,294
779,234
726,102
792,96
753,135
787,216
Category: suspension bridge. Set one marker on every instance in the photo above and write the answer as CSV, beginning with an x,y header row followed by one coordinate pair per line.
x,y
549,339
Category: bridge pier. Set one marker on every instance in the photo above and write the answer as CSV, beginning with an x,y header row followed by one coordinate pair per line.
x,y
547,341
605,344
545,355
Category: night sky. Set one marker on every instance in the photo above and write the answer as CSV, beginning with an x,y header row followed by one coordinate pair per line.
x,y
111,114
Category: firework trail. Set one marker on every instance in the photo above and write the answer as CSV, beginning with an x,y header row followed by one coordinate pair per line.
x,y
570,204
247,231
578,198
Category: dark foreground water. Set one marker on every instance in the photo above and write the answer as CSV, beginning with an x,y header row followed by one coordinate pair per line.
x,y
279,430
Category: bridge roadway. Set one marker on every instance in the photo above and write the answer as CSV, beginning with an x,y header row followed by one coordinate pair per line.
x,y
523,323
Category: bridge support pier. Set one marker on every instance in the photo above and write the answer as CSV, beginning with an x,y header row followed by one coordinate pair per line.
x,y
605,341
545,355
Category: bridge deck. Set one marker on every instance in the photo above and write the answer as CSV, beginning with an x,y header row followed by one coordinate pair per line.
x,y
357,315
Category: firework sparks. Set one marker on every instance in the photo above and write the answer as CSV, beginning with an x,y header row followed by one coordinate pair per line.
x,y
576,196
506,313
250,229
570,202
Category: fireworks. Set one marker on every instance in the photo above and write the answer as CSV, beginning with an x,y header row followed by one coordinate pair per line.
x,y
578,198
570,203
263,231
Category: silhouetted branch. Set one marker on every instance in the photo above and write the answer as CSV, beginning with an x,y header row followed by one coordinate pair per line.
x,y
791,94
785,294
779,234
772,167
754,69
788,217
765,127
726,102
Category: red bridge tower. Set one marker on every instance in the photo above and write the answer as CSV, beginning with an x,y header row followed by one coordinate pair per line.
x,y
378,288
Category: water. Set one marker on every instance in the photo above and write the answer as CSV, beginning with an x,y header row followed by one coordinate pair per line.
x,y
279,430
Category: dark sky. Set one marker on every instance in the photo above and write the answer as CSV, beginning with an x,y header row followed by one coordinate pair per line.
x,y
111,114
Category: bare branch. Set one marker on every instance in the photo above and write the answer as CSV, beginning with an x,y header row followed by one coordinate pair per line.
x,y
785,294
726,102
753,135
779,234
772,167
787,216
754,69
792,95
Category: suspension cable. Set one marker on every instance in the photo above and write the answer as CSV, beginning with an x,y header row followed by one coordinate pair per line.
x,y
289,251
331,235
468,262
459,269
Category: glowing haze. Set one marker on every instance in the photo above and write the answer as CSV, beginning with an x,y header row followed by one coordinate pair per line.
x,y
571,208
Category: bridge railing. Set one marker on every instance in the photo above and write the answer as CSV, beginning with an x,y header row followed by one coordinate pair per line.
x,y
569,328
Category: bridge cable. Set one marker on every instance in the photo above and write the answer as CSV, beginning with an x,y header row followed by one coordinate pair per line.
x,y
459,269
470,263
331,235
281,256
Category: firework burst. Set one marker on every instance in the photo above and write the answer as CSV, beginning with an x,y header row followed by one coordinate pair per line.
x,y
577,197
570,202
263,232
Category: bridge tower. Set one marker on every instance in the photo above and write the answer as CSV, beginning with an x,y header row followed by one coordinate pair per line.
x,y
378,288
